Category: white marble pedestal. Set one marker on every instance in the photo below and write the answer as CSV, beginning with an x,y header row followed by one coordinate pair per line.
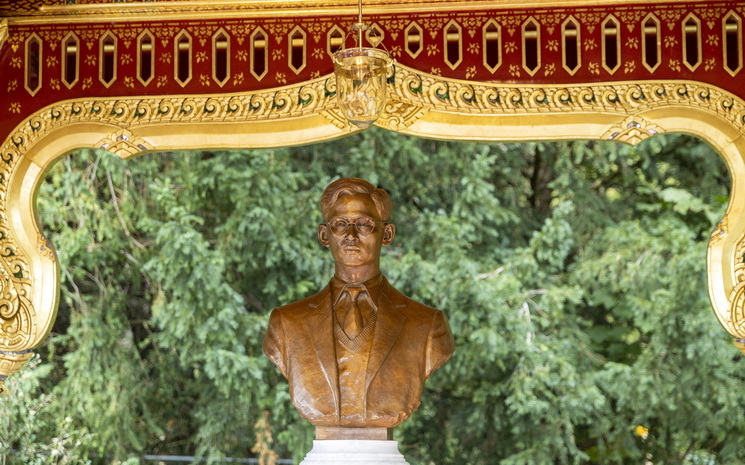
x,y
354,452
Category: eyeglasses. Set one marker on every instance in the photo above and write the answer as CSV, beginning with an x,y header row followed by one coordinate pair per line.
x,y
363,226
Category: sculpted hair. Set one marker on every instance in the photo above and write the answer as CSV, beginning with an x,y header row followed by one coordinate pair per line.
x,y
348,186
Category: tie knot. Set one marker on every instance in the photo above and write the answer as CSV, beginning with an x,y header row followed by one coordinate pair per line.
x,y
355,291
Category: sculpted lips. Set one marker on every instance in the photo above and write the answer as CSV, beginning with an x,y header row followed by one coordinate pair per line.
x,y
351,246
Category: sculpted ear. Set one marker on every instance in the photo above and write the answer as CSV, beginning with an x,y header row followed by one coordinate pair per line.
x,y
323,235
389,232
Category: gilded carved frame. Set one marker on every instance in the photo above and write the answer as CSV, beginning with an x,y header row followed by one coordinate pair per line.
x,y
419,104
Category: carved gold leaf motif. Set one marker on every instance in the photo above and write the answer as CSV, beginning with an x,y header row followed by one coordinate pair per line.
x,y
124,144
632,130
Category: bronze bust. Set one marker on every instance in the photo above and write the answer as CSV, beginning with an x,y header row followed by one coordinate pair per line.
x,y
357,353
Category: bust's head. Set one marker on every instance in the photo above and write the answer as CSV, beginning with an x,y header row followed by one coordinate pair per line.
x,y
356,227
349,186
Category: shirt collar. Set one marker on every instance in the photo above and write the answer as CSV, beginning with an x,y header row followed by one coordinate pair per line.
x,y
372,286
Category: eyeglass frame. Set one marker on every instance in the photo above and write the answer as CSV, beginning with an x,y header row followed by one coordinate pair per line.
x,y
357,229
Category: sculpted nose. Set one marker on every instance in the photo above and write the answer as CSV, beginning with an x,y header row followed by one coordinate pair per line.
x,y
351,234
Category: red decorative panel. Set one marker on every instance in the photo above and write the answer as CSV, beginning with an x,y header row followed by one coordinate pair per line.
x,y
524,46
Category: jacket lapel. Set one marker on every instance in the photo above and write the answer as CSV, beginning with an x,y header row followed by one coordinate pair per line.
x,y
319,325
388,327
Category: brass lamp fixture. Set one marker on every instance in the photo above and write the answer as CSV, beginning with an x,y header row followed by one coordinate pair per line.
x,y
361,74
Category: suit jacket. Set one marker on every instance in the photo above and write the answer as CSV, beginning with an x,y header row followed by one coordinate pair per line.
x,y
410,341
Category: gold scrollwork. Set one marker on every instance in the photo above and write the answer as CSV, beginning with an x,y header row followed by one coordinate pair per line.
x,y
18,320
734,318
740,251
45,247
16,313
335,117
124,144
399,115
281,103
17,316
632,130
720,231
737,314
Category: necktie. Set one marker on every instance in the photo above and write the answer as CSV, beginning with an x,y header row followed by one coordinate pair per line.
x,y
353,322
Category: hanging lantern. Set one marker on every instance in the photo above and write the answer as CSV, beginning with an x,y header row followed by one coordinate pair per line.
x,y
361,74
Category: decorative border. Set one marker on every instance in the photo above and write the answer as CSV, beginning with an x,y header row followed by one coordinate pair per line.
x,y
274,104
419,103
412,94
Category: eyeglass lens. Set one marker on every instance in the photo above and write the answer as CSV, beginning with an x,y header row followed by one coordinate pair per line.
x,y
363,226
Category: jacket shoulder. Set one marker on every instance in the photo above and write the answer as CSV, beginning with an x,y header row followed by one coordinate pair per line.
x,y
304,304
400,300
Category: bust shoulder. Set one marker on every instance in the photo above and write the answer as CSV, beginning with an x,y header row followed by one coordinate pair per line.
x,y
299,306
398,299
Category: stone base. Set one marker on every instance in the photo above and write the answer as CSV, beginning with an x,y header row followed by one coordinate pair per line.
x,y
354,452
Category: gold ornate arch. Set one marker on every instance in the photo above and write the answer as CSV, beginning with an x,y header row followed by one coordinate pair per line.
x,y
420,103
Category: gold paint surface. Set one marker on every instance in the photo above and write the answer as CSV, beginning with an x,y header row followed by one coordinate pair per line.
x,y
3,32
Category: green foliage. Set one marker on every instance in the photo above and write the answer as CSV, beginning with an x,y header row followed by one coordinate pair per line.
x,y
572,274
26,419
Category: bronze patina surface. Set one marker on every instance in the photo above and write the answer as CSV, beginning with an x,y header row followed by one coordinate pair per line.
x,y
357,353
